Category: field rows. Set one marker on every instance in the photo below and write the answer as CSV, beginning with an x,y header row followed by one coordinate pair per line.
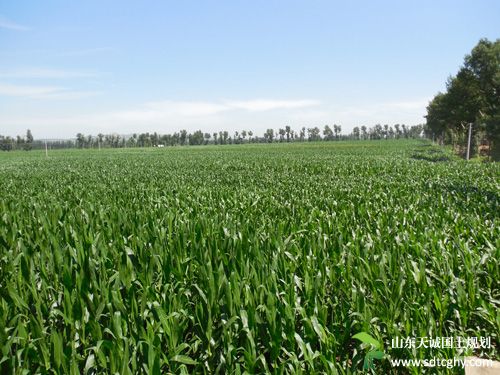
x,y
242,259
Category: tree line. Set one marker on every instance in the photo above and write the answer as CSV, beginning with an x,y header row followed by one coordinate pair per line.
x,y
286,134
471,97
18,143
183,138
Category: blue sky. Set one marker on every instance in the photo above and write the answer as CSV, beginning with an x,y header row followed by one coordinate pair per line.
x,y
137,66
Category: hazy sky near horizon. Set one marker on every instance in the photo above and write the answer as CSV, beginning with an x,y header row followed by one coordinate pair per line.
x,y
137,66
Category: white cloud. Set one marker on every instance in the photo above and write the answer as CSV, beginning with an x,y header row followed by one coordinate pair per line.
x,y
69,95
386,111
45,73
184,108
170,116
21,90
5,23
266,105
42,92
170,110
407,105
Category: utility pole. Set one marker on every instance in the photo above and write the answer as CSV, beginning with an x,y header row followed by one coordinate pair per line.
x,y
468,141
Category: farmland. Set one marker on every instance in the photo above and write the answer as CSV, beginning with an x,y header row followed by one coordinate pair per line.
x,y
256,258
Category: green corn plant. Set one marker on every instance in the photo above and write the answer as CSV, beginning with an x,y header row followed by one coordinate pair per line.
x,y
248,259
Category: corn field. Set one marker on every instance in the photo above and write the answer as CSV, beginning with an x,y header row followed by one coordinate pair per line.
x,y
243,259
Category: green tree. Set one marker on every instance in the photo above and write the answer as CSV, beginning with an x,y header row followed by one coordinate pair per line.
x,y
363,131
328,133
6,143
100,138
183,137
337,129
80,140
483,67
19,142
28,144
314,134
472,96
269,135
288,131
302,134
196,138
355,132
281,132
397,131
386,131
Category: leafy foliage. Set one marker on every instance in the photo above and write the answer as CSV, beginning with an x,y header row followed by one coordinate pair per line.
x,y
473,96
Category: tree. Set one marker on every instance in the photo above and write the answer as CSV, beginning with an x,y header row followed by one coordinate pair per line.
x,y
288,130
196,138
415,131
405,131
391,132
337,129
269,135
183,137
314,134
363,131
6,143
281,132
398,131
303,134
355,132
28,145
129,143
100,137
19,142
176,138
328,133
483,65
80,140
376,132
472,97
141,140
166,140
